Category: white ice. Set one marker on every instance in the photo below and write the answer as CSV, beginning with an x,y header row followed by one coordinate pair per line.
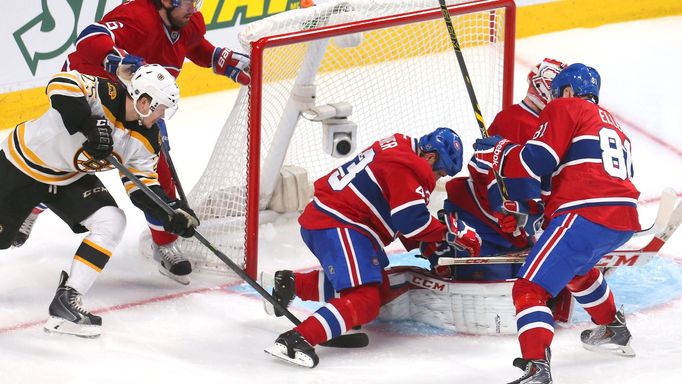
x,y
212,331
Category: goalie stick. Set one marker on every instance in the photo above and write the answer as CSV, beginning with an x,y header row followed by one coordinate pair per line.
x,y
351,340
617,258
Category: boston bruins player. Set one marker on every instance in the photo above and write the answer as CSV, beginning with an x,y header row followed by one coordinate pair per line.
x,y
53,160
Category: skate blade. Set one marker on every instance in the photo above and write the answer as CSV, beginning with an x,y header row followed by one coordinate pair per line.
x,y
267,281
619,350
300,359
184,280
63,326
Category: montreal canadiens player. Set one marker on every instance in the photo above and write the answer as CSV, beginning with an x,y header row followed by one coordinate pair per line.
x,y
504,226
357,209
53,159
162,32
592,210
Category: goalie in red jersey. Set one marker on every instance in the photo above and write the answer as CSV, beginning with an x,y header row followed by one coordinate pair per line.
x,y
592,210
164,32
357,209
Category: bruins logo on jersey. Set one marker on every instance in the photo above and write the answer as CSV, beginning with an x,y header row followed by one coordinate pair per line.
x,y
86,164
112,91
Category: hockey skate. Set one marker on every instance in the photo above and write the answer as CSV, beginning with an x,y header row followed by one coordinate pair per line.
x,y
292,347
534,371
26,227
67,314
611,338
172,262
283,290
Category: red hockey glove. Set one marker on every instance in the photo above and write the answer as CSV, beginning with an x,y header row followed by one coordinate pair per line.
x,y
462,236
432,251
489,152
121,59
232,64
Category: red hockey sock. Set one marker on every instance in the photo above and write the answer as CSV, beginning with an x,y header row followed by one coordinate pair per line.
x,y
592,292
356,306
162,237
309,284
534,319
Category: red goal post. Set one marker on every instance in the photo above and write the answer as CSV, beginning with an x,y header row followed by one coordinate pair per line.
x,y
395,67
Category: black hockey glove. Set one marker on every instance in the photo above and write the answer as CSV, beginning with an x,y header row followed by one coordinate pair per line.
x,y
183,221
99,143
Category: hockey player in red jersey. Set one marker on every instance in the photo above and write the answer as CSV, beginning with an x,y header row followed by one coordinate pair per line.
x,y
54,159
592,210
504,226
162,32
357,209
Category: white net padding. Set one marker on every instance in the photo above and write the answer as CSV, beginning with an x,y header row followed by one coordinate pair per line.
x,y
399,74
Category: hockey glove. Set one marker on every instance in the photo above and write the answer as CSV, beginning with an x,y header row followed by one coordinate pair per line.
x,y
183,221
432,251
489,152
462,236
122,64
99,143
232,64
526,216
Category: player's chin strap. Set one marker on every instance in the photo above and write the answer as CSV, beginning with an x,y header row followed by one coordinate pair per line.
x,y
351,340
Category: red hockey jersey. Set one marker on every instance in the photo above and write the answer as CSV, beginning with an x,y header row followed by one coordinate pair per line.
x,y
589,159
476,195
137,27
382,192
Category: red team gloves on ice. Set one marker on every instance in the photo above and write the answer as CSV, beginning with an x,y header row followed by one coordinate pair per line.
x,y
462,236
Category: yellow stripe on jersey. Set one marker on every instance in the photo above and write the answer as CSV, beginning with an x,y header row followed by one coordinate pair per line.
x,y
137,172
40,176
72,77
143,140
110,116
64,89
97,247
27,151
131,186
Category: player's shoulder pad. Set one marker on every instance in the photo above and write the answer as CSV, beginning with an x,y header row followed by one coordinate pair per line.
x,y
197,21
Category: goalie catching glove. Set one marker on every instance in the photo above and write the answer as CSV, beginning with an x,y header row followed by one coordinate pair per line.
x,y
460,235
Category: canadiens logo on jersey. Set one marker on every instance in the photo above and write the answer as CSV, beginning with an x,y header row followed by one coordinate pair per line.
x,y
83,162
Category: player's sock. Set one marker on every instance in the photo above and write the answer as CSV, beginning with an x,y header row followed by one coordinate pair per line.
x,y
593,293
356,306
314,286
534,320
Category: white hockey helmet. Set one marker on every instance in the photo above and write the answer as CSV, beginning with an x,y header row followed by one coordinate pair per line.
x,y
540,80
154,81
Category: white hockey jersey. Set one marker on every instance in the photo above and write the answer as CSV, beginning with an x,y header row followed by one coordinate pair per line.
x,y
48,151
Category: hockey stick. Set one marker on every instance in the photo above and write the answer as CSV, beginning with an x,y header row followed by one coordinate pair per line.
x,y
174,173
472,94
617,258
665,209
351,340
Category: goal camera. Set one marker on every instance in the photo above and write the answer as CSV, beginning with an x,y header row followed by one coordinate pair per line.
x,y
339,133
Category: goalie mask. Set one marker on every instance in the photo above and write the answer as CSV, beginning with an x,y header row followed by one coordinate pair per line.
x,y
540,80
448,145
154,81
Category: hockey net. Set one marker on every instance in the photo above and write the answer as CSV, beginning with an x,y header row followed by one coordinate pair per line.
x,y
391,60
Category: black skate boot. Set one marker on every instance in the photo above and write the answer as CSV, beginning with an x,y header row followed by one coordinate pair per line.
x,y
535,371
292,347
67,314
283,290
612,338
172,262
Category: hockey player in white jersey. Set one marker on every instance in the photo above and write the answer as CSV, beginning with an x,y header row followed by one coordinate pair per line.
x,y
53,160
